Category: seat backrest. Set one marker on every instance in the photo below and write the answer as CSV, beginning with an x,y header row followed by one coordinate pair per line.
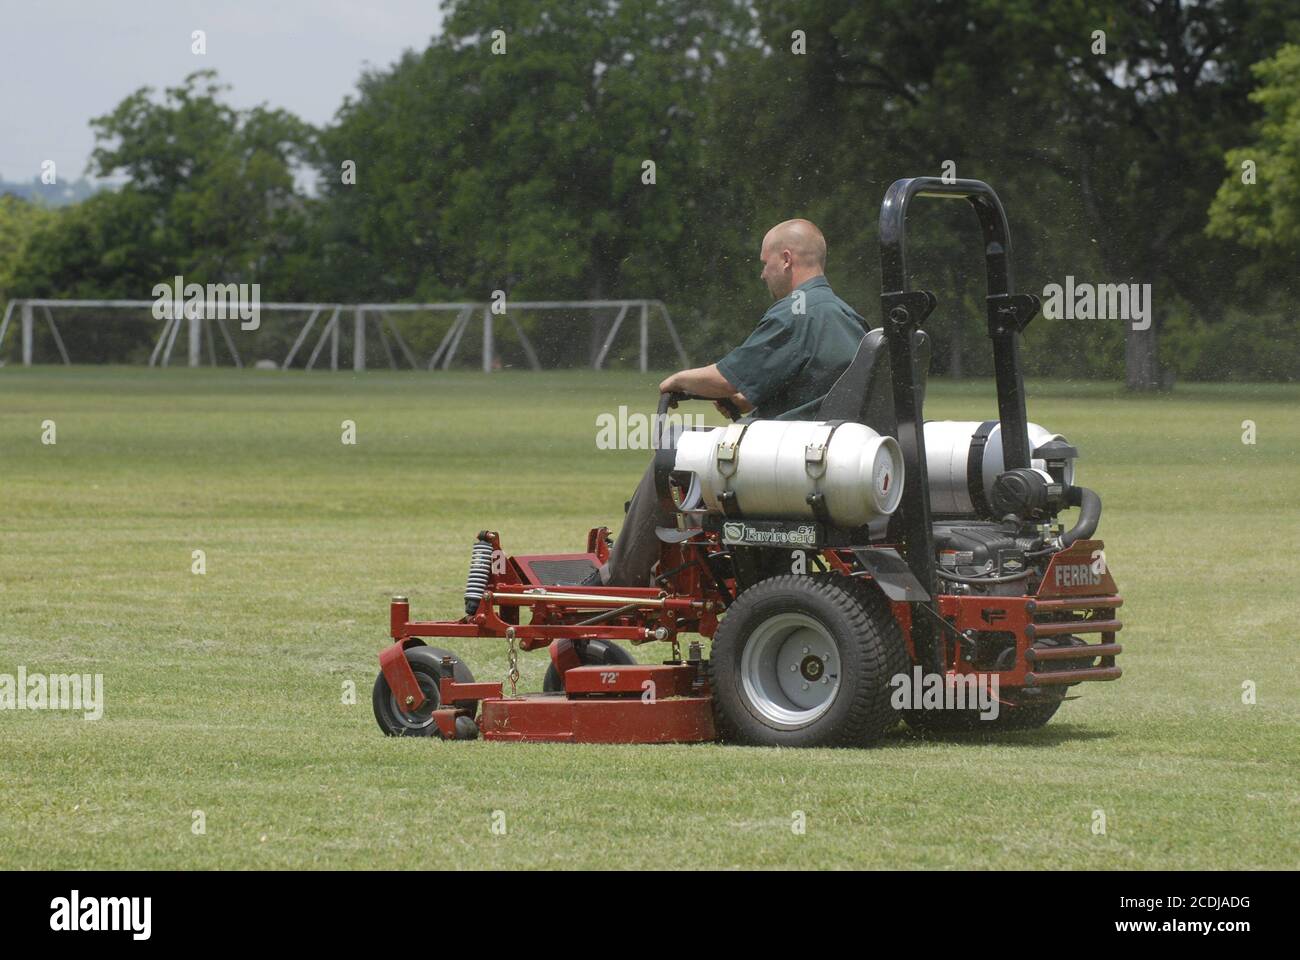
x,y
865,390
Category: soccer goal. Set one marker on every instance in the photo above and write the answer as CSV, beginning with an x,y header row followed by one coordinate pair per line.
x,y
429,336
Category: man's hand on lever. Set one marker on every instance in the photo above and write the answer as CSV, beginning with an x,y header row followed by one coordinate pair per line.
x,y
708,382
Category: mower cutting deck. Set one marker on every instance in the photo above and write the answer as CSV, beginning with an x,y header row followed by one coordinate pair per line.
x,y
853,557
603,697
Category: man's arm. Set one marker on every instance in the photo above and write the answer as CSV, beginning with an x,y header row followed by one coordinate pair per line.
x,y
705,382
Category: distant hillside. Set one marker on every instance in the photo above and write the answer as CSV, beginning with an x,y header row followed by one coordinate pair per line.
x,y
51,194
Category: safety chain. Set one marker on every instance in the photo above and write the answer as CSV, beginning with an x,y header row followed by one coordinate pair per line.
x,y
513,659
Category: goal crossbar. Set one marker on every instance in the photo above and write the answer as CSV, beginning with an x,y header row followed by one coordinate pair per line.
x,y
365,318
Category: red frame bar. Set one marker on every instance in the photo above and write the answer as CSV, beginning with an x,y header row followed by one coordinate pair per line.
x,y
1037,631
401,679
1055,606
1016,615
1072,653
450,691
1059,678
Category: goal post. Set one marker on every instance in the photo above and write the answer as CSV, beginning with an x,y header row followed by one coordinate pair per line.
x,y
318,341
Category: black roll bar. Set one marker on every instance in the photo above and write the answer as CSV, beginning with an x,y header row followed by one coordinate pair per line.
x,y
904,310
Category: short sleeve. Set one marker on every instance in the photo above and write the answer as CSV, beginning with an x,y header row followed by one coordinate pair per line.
x,y
769,357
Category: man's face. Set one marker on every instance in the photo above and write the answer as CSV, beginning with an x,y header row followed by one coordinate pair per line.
x,y
777,269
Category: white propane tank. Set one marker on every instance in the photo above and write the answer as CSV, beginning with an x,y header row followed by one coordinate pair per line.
x,y
964,457
773,465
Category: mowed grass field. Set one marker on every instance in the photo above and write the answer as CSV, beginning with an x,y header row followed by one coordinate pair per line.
x,y
226,693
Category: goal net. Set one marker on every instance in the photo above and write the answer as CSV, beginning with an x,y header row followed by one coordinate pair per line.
x,y
630,334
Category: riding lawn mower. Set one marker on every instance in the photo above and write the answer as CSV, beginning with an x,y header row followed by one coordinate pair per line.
x,y
824,559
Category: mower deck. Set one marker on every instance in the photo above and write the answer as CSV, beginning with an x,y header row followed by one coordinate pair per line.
x,y
601,704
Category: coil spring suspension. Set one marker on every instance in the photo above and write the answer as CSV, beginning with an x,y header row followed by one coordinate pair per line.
x,y
480,568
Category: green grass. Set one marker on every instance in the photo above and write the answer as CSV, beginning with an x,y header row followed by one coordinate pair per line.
x,y
225,691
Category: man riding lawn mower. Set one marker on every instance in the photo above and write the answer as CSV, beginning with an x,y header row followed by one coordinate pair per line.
x,y
835,551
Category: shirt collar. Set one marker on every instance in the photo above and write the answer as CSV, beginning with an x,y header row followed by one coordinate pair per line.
x,y
817,281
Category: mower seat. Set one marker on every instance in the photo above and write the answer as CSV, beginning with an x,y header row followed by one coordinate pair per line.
x,y
864,393
555,569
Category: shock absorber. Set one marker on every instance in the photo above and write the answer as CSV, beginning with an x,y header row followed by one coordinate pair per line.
x,y
480,568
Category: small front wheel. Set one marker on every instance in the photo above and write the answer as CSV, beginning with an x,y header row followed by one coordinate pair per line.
x,y
591,653
426,664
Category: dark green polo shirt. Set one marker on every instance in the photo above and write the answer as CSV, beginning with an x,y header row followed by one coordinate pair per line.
x,y
788,364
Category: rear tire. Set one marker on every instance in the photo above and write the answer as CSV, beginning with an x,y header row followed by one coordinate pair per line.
x,y
426,664
1020,716
1025,716
591,653
805,661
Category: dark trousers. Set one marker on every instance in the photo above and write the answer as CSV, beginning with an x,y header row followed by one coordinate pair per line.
x,y
636,548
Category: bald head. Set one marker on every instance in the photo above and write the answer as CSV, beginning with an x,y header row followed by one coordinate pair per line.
x,y
793,251
802,239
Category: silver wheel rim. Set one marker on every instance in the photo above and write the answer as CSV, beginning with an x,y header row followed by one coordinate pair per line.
x,y
790,670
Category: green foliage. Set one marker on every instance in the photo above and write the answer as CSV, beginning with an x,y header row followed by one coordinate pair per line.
x,y
1260,208
1255,343
511,154
523,171
216,183
19,220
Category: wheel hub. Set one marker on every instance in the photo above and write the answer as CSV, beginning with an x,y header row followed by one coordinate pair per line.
x,y
423,716
790,670
811,668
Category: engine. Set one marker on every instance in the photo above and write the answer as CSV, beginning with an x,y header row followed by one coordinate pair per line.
x,y
991,525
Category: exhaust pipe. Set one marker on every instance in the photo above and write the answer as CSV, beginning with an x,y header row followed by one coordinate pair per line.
x,y
1089,505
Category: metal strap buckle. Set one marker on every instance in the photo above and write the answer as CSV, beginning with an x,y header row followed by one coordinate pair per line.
x,y
727,454
814,454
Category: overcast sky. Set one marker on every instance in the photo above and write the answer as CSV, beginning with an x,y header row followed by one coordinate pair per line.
x,y
63,62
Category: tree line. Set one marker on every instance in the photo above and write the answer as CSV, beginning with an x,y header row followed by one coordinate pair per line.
x,y
570,149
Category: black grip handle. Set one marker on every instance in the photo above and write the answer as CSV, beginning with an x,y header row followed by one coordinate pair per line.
x,y
673,397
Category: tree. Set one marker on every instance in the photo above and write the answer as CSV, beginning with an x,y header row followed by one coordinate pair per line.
x,y
209,196
19,221
1107,158
541,148
217,183
1258,203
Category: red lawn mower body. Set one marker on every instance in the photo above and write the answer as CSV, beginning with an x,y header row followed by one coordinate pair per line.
x,y
1023,639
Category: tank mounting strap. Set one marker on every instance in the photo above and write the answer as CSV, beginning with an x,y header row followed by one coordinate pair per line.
x,y
814,453
727,456
730,505
975,468
817,501
814,464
